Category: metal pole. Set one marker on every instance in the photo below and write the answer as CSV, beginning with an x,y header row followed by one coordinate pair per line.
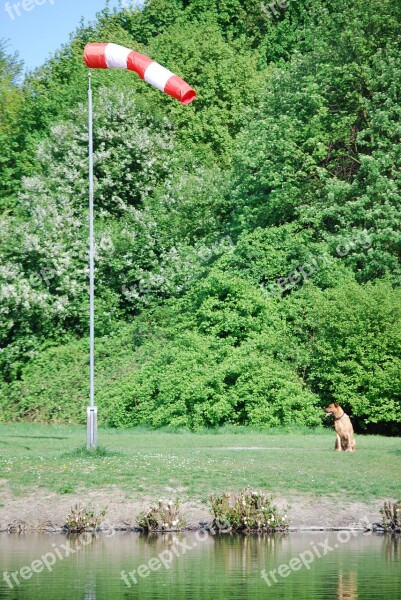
x,y
91,436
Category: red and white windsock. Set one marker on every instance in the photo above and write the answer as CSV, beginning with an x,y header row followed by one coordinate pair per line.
x,y
112,56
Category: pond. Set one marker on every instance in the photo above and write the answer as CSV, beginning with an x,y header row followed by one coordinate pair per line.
x,y
312,566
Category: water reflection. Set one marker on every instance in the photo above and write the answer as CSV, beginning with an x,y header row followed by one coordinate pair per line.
x,y
392,547
200,567
347,588
243,554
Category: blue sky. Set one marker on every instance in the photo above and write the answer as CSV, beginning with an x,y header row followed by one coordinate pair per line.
x,y
37,28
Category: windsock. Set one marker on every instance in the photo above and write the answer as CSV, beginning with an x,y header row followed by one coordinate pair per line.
x,y
112,56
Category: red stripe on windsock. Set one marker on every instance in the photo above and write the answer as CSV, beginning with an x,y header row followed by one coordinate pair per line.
x,y
138,63
95,57
179,89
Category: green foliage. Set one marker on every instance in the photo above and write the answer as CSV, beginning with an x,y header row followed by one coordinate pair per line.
x,y
252,238
225,334
54,386
352,339
66,489
10,127
226,78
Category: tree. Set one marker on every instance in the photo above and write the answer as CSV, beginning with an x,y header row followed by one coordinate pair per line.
x,y
10,143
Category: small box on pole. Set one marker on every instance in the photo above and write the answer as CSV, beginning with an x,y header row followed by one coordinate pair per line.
x,y
91,433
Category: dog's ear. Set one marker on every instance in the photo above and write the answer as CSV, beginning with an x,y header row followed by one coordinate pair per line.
x,y
335,404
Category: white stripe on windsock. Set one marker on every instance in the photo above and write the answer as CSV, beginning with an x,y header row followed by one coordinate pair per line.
x,y
157,76
116,56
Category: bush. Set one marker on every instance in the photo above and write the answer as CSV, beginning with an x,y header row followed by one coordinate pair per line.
x,y
84,518
246,511
391,516
164,517
351,336
54,387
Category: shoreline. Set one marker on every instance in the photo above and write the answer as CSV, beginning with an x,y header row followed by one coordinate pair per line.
x,y
44,511
27,531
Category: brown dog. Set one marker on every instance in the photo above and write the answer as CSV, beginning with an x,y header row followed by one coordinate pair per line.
x,y
343,426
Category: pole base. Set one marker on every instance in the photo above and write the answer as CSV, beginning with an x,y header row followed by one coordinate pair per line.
x,y
91,429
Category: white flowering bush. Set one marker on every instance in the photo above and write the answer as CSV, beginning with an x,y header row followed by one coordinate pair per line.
x,y
84,518
44,250
163,517
247,511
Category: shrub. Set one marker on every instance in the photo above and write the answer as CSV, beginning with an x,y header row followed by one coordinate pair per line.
x,y
54,387
164,517
352,341
391,516
67,488
84,518
247,511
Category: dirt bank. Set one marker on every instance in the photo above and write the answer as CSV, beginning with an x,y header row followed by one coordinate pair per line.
x,y
43,509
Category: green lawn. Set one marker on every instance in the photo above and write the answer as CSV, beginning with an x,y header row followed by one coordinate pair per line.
x,y
141,461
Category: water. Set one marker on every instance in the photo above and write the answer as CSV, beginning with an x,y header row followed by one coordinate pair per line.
x,y
299,566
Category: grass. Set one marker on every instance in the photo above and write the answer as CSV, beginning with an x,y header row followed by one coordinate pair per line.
x,y
143,461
